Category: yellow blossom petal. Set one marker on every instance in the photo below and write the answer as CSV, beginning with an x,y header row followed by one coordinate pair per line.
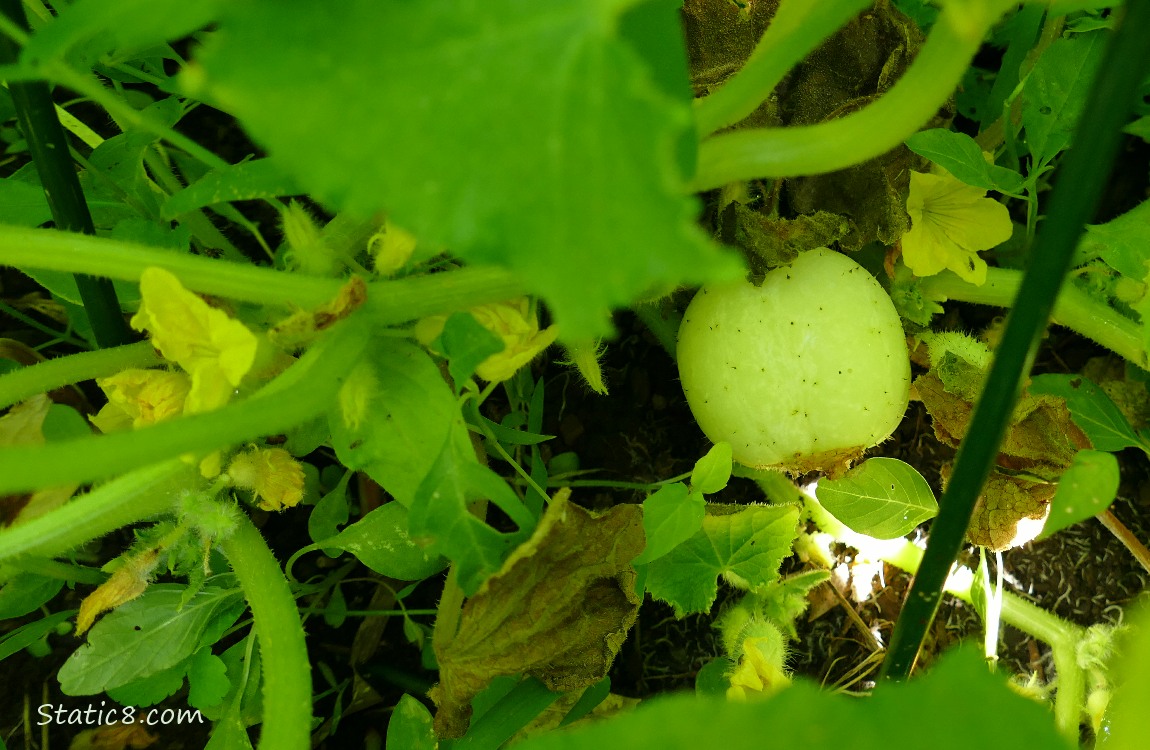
x,y
950,222
272,474
513,322
137,398
214,349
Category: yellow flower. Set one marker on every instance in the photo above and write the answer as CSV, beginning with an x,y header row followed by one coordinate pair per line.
x,y
137,398
214,349
272,474
511,321
760,670
391,247
128,582
950,222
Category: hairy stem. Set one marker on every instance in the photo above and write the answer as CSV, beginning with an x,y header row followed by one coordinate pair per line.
x,y
389,302
54,373
283,652
1074,309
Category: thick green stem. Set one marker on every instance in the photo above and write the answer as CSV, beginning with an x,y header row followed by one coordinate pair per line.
x,y
389,302
283,651
875,129
305,391
49,149
125,500
1082,179
797,28
54,373
1074,309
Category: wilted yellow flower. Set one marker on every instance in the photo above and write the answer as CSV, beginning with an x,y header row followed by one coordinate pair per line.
x,y
760,671
513,322
129,581
272,474
950,223
137,398
214,349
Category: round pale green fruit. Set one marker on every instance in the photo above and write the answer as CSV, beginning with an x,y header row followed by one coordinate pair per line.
x,y
802,373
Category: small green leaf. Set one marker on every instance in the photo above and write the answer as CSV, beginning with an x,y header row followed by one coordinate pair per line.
x,y
411,726
960,155
783,601
745,548
23,204
208,682
410,413
149,635
712,471
1123,243
440,515
335,613
150,690
329,514
26,592
381,542
466,344
1086,489
882,497
62,422
1091,409
250,180
671,516
24,636
1055,93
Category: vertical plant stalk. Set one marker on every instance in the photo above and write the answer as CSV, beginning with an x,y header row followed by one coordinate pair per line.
x,y
287,706
49,148
1084,171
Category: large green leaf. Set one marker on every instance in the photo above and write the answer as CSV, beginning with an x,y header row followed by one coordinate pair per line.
x,y
960,155
958,705
1123,242
882,497
403,413
149,635
1091,409
514,132
382,542
1086,489
1055,93
744,547
671,515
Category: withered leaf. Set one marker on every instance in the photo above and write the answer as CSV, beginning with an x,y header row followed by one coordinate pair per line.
x,y
1010,511
1041,439
558,610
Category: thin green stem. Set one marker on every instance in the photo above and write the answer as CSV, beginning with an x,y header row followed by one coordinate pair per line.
x,y
1084,171
389,302
796,29
133,497
30,321
305,391
55,373
286,680
1074,309
875,129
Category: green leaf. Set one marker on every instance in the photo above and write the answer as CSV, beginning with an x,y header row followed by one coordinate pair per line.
x,y
1129,723
106,25
1055,93
517,133
671,516
148,635
962,157
25,635
23,204
745,548
1086,489
208,682
1140,128
914,714
881,497
329,514
410,413
1091,409
26,592
712,471
249,180
410,726
466,344
1123,243
783,601
335,613
381,541
150,690
62,422
440,515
